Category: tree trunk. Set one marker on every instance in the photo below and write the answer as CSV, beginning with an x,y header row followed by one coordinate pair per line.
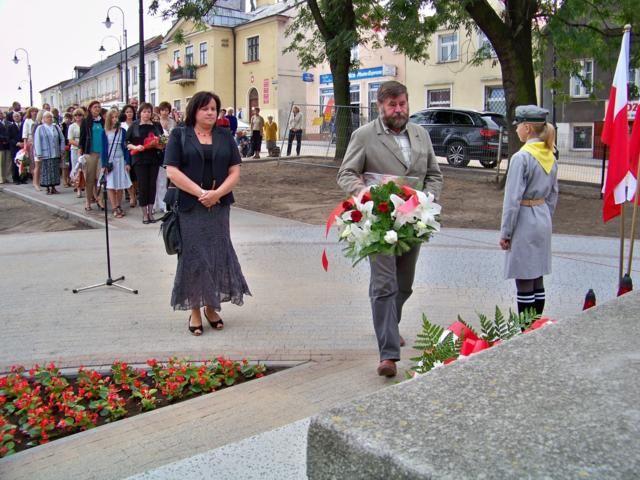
x,y
343,123
518,80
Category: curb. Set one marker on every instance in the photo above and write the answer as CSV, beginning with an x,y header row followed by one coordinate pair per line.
x,y
59,211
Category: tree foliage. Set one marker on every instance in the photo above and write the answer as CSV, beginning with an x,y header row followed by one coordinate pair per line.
x,y
520,31
327,30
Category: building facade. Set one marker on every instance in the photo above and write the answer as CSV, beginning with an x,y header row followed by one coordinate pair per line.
x,y
450,79
238,55
54,95
105,80
151,88
375,66
581,103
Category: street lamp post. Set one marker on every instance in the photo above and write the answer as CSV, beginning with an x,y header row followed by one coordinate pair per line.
x,y
141,87
16,60
108,24
102,49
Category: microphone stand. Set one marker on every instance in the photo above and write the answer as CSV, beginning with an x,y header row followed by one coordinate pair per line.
x,y
109,282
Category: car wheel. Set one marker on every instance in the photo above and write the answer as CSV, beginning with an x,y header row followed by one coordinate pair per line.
x,y
489,163
457,154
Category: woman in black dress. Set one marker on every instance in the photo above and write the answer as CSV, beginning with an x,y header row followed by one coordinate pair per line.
x,y
146,160
204,164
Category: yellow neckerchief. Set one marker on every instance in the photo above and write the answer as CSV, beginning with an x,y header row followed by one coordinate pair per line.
x,y
541,153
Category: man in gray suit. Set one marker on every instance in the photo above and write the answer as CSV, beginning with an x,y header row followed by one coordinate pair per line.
x,y
390,145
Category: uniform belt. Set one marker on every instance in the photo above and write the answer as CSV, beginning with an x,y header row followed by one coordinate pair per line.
x,y
532,202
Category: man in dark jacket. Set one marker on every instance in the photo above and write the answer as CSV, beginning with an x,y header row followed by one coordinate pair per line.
x,y
5,152
14,129
233,122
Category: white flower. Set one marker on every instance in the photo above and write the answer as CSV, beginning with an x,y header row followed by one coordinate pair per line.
x,y
400,218
391,237
427,211
346,231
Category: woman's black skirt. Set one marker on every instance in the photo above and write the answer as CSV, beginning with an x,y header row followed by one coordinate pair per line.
x,y
208,270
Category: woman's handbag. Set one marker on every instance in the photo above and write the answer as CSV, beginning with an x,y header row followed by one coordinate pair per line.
x,y
170,226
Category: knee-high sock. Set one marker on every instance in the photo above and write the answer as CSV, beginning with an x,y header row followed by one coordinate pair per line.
x,y
526,301
539,300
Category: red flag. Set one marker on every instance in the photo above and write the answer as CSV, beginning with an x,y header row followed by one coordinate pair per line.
x,y
616,134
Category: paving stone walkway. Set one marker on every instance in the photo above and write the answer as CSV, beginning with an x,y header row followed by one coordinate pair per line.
x,y
298,315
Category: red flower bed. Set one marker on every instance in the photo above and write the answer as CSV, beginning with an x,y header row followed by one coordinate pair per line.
x,y
40,404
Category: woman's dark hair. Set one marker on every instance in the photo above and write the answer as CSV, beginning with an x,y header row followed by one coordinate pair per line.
x,y
92,104
164,106
199,100
123,113
145,106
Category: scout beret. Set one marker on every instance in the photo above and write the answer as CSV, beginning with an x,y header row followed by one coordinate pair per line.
x,y
530,113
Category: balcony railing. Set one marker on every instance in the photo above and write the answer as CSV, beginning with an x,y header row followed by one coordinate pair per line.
x,y
182,75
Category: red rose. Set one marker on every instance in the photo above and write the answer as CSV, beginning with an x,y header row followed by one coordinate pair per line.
x,y
383,207
356,216
366,197
347,204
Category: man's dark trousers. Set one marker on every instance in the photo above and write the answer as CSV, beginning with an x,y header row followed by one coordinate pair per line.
x,y
256,142
298,136
389,288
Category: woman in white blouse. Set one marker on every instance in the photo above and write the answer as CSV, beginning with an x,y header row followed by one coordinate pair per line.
x,y
295,130
73,135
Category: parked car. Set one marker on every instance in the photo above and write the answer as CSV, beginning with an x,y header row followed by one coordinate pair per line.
x,y
462,135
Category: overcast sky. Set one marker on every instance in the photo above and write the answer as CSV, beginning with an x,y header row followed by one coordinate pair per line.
x,y
60,34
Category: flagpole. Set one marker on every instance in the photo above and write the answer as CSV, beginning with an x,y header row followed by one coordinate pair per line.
x,y
620,270
633,219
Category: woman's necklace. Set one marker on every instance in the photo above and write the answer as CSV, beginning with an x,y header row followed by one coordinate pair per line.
x,y
202,134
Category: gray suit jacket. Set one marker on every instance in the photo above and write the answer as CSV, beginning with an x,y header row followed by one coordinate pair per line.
x,y
373,150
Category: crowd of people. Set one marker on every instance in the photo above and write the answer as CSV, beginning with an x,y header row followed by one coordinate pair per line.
x,y
90,148
122,151
85,145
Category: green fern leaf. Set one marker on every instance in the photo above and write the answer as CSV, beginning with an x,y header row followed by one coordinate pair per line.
x,y
488,329
468,326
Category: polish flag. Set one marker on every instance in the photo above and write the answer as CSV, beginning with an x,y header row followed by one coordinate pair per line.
x,y
620,183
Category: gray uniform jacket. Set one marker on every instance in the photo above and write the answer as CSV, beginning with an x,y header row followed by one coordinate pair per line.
x,y
373,150
528,228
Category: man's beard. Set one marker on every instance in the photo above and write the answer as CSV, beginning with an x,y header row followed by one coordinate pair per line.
x,y
397,121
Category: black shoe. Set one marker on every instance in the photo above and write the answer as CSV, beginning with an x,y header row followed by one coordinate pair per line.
x,y
217,325
196,331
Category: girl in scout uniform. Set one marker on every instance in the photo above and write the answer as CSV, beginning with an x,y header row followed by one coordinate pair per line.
x,y
530,198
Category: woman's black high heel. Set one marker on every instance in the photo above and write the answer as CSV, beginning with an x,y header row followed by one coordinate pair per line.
x,y
196,331
217,325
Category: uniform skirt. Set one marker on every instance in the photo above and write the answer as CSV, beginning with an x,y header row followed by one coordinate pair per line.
x,y
208,270
530,253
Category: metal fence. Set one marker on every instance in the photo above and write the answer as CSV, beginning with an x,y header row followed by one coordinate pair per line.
x,y
321,134
321,131
577,165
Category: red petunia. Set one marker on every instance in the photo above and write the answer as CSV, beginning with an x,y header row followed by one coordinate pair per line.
x,y
383,207
356,216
